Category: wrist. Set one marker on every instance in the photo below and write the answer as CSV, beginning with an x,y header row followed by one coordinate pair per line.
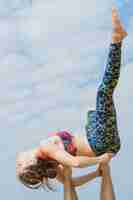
x,y
100,159
66,178
97,174
67,181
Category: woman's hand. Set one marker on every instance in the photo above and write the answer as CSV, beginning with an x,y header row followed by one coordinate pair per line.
x,y
105,169
105,158
99,171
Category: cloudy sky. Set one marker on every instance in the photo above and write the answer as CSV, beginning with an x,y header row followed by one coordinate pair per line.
x,y
52,57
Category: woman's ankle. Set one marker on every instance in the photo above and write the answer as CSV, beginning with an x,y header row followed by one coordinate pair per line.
x,y
118,37
119,32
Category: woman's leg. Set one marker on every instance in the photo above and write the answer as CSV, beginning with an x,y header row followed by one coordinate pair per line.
x,y
112,70
106,113
107,191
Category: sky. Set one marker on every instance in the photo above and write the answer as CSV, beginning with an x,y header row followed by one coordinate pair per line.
x,y
52,57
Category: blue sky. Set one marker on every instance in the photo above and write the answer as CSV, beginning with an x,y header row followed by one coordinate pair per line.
x,y
52,56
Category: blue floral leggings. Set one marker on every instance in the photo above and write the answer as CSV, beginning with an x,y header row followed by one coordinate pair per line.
x,y
101,127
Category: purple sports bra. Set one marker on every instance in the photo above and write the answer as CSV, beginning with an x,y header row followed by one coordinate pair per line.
x,y
67,140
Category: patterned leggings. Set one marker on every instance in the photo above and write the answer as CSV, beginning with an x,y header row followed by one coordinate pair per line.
x,y
101,128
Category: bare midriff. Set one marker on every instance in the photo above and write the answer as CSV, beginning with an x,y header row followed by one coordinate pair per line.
x,y
83,149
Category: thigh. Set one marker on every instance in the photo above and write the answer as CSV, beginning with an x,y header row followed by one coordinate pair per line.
x,y
106,123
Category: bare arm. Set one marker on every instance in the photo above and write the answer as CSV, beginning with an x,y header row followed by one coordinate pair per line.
x,y
107,189
68,195
78,181
67,159
69,190
74,194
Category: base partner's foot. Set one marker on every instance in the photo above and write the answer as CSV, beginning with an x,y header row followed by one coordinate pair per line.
x,y
119,32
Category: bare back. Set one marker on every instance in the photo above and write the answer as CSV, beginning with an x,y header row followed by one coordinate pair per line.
x,y
83,147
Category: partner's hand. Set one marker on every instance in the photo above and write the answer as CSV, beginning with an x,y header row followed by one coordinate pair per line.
x,y
99,171
67,171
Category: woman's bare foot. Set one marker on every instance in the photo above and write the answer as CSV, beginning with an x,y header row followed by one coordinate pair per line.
x,y
119,32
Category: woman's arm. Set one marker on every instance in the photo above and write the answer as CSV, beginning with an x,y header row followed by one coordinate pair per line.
x,y
81,180
78,181
67,159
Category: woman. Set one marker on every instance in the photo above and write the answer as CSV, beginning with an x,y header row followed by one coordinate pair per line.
x,y
102,141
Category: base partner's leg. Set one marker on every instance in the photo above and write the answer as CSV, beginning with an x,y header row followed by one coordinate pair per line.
x,y
107,191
